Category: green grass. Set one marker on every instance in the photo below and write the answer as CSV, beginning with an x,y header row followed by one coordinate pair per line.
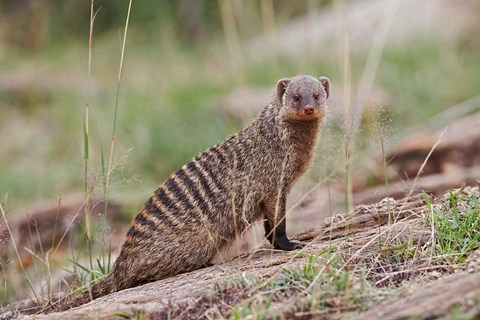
x,y
457,226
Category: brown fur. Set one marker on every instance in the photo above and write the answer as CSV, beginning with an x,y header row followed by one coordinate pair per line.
x,y
206,204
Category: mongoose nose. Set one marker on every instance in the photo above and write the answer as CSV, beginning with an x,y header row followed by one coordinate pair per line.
x,y
308,110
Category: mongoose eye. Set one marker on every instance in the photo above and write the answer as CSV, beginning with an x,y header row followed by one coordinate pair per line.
x,y
296,98
316,96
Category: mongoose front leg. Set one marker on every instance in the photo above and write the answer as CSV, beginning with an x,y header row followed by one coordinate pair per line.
x,y
275,226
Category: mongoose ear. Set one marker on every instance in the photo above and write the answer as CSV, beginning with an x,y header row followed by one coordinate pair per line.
x,y
281,87
326,84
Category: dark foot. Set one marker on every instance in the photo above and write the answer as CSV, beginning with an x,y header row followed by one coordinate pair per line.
x,y
289,245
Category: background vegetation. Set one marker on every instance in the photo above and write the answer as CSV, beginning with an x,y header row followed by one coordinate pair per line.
x,y
174,76
177,69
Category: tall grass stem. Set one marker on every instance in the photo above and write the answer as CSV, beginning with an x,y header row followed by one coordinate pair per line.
x,y
112,144
86,156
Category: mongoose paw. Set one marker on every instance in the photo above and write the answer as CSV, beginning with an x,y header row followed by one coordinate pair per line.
x,y
289,246
298,245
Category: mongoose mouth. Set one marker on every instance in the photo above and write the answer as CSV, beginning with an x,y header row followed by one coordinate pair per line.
x,y
307,114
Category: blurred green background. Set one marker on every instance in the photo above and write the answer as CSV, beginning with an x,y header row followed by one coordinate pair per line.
x,y
186,65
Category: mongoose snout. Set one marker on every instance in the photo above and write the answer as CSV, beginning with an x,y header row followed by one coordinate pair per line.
x,y
309,110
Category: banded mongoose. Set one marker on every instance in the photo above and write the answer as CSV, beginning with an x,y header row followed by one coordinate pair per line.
x,y
202,207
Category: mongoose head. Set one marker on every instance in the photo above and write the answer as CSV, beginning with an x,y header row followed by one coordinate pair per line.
x,y
303,98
